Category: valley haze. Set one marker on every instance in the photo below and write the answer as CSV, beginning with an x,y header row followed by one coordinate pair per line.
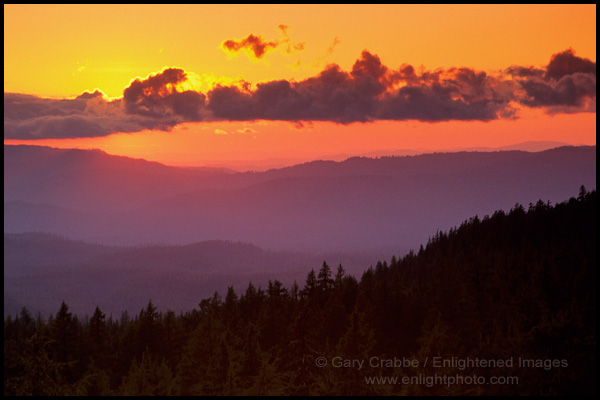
x,y
188,224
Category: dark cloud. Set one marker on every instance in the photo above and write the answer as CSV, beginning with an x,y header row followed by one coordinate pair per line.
x,y
230,103
368,65
367,93
406,73
568,81
567,63
151,103
257,44
24,107
157,97
333,95
90,95
370,91
455,94
30,117
525,72
570,90
437,102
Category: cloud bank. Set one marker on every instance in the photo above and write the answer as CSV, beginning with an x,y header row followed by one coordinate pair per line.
x,y
371,91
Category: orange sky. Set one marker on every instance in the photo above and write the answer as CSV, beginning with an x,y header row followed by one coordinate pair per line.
x,y
61,51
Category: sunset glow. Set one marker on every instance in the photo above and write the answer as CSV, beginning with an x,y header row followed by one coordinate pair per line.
x,y
195,52
259,145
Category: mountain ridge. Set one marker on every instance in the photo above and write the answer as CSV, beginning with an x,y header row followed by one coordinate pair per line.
x,y
41,269
316,206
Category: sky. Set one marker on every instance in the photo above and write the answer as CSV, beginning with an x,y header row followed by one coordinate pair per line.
x,y
235,85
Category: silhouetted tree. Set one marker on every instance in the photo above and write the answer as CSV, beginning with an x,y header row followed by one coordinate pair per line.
x,y
516,284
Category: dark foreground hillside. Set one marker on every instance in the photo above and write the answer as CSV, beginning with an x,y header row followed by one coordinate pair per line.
x,y
502,305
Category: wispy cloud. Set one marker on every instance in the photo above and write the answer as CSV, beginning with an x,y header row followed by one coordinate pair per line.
x,y
245,130
258,46
82,66
320,60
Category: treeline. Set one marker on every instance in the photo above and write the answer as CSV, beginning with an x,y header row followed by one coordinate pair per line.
x,y
512,286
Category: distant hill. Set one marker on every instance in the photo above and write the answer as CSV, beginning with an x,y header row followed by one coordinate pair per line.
x,y
91,180
42,269
385,205
531,146
263,165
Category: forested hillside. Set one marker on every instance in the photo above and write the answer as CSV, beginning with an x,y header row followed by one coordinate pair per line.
x,y
511,295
